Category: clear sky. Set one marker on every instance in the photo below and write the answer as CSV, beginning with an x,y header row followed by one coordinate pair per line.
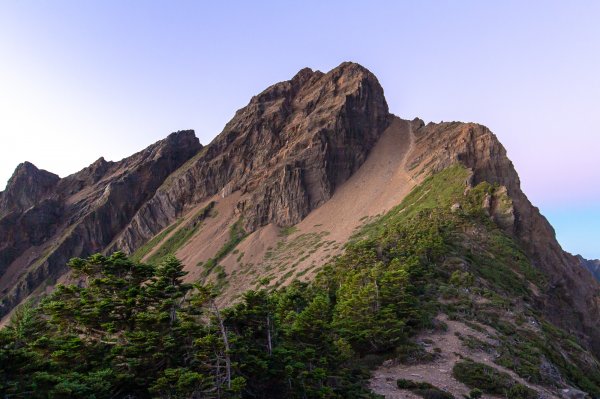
x,y
84,79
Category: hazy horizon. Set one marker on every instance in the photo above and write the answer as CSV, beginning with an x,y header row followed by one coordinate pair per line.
x,y
83,80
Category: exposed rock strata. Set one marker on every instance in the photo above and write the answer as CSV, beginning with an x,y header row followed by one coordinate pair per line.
x,y
592,265
286,151
571,299
284,154
48,220
27,187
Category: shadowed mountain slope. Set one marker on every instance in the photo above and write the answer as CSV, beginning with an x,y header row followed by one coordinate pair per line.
x,y
592,265
46,220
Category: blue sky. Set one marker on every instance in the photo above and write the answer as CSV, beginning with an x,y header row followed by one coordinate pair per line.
x,y
84,79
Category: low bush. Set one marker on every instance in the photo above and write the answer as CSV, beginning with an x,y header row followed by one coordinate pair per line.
x,y
489,380
478,375
423,389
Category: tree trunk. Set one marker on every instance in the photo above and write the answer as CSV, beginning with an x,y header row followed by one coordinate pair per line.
x,y
225,342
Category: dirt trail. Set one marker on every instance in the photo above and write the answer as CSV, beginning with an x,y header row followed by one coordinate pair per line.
x,y
439,372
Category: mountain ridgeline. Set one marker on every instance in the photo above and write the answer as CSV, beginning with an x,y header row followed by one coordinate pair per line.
x,y
592,265
323,235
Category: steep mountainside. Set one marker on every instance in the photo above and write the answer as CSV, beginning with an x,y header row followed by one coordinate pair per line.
x,y
315,179
572,298
592,265
285,153
46,220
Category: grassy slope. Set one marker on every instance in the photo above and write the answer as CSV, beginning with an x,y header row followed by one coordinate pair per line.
x,y
454,261
425,256
176,240
236,235
482,275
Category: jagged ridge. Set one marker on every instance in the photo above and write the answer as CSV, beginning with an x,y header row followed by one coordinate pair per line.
x,y
592,265
572,299
284,154
48,220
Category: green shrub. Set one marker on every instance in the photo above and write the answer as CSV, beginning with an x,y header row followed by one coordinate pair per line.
x,y
481,376
433,394
461,279
520,391
423,389
406,384
288,230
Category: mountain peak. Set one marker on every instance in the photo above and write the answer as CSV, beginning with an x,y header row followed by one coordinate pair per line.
x,y
346,68
319,153
303,75
186,134
55,219
286,151
352,67
27,186
27,168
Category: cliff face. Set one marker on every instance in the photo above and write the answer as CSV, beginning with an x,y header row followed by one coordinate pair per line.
x,y
286,152
571,299
47,220
284,155
27,186
592,265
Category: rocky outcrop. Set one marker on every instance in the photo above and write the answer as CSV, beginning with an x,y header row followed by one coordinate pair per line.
x,y
286,152
499,207
48,220
283,155
27,186
592,265
571,299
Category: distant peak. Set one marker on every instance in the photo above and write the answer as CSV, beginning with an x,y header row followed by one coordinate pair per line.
x,y
303,72
181,134
26,187
100,161
26,166
349,67
27,169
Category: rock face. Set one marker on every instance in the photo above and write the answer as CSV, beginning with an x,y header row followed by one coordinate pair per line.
x,y
283,155
286,152
592,265
572,299
27,186
47,220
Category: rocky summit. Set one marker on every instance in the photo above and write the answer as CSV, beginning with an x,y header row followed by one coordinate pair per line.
x,y
315,182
